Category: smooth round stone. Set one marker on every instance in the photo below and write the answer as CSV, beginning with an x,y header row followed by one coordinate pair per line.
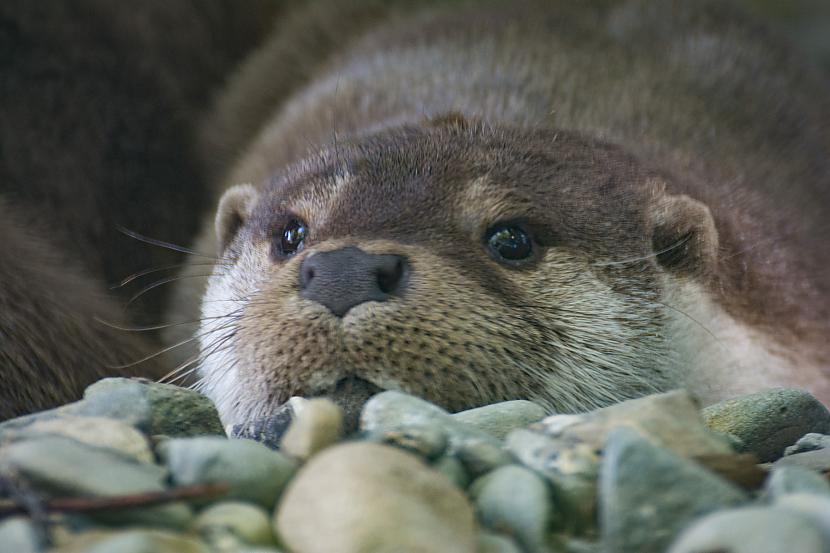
x,y
267,430
148,541
817,460
500,418
151,407
363,497
249,523
750,530
318,425
62,466
572,468
769,421
787,479
809,442
425,440
480,457
99,432
811,506
648,494
494,543
670,420
453,469
515,501
253,472
18,535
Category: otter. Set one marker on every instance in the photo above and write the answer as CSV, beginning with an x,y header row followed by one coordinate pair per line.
x,y
570,202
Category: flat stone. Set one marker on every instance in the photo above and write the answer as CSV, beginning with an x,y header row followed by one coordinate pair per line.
x,y
787,479
250,524
670,420
571,467
453,469
769,421
98,432
392,410
750,530
18,535
253,472
151,407
425,440
494,543
648,494
817,460
64,467
500,418
361,496
809,442
515,501
814,507
148,541
267,430
480,457
318,425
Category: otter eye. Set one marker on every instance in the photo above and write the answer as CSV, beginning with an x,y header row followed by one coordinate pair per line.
x,y
509,242
293,235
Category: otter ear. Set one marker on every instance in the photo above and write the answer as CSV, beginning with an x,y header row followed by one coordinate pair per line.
x,y
683,236
234,209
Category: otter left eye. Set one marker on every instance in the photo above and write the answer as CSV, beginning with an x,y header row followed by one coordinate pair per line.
x,y
293,235
509,242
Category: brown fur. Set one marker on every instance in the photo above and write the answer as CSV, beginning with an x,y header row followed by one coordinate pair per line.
x,y
614,129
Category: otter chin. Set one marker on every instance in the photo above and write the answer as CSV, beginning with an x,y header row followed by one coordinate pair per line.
x,y
478,203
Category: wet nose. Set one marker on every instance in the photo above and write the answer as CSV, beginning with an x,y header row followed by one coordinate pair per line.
x,y
344,278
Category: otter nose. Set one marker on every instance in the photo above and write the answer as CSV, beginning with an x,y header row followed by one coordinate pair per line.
x,y
342,279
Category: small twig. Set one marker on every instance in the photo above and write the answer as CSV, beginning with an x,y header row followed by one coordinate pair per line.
x,y
144,499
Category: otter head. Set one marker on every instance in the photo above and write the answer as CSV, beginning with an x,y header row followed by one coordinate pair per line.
x,y
461,263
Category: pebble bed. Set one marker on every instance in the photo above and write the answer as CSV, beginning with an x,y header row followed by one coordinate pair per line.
x,y
139,467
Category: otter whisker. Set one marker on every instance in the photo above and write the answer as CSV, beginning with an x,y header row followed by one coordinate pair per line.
x,y
146,272
652,255
158,283
167,245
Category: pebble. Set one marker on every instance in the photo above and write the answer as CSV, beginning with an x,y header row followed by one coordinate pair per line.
x,y
480,457
812,506
62,466
572,468
453,469
148,541
670,420
769,421
96,431
787,479
499,419
751,530
515,501
318,425
249,523
267,430
18,535
809,442
425,440
648,494
817,460
363,497
495,543
393,410
253,472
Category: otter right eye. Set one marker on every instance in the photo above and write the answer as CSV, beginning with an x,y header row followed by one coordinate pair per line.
x,y
293,236
510,243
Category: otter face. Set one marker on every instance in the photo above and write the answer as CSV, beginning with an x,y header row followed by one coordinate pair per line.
x,y
464,265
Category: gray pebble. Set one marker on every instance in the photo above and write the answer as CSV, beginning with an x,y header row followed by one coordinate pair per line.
x,y
769,421
814,507
787,479
480,457
392,410
648,494
670,420
571,467
495,543
18,535
148,541
254,472
267,430
500,418
453,469
425,440
817,460
250,524
515,501
751,530
809,442
62,466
